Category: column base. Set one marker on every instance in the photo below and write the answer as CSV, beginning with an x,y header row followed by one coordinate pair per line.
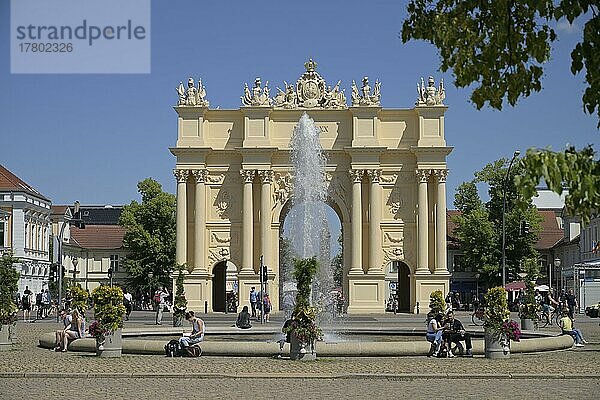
x,y
366,293
424,285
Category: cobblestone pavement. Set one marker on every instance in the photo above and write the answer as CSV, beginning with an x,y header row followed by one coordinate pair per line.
x,y
30,370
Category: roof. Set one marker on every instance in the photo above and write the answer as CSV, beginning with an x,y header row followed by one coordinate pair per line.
x,y
59,210
550,233
98,237
9,181
93,215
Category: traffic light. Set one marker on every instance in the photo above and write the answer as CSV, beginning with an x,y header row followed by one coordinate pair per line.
x,y
110,272
264,274
524,228
53,272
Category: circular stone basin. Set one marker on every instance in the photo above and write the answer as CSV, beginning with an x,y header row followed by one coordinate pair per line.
x,y
239,343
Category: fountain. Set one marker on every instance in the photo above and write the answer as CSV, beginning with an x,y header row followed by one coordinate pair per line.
x,y
309,232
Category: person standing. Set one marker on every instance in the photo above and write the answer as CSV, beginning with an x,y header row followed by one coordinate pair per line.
x,y
253,300
46,300
160,297
571,303
127,302
266,306
26,304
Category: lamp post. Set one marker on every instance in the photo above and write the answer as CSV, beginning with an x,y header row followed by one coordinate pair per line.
x,y
477,275
515,155
74,261
556,266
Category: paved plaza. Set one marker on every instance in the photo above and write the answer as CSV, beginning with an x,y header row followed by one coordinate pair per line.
x,y
28,370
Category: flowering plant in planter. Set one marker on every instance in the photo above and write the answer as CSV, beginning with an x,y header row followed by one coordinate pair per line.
x,y
9,278
108,308
303,324
496,309
96,330
511,330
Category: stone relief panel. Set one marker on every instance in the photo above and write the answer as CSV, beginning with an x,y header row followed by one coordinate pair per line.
x,y
338,188
282,188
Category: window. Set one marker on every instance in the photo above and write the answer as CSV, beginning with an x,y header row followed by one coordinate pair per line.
x,y
2,233
114,262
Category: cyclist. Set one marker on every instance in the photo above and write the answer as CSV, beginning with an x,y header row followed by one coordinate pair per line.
x,y
548,304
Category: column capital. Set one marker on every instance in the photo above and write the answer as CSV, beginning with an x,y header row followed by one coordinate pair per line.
x,y
440,175
374,175
266,175
200,175
423,175
356,175
181,175
248,175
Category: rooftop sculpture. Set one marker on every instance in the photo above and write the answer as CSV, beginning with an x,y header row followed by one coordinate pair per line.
x,y
192,96
430,95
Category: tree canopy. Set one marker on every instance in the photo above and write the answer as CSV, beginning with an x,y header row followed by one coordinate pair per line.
x,y
479,225
150,237
502,45
576,171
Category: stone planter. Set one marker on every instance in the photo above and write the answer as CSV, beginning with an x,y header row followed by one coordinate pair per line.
x,y
497,345
6,332
301,351
111,346
527,324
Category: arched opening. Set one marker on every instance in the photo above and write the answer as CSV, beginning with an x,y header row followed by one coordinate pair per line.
x,y
403,288
219,286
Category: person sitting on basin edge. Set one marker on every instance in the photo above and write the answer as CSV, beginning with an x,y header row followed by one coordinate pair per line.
x,y
566,325
243,319
435,330
456,333
198,329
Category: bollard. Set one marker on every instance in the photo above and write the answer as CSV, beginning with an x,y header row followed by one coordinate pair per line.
x,y
205,307
417,307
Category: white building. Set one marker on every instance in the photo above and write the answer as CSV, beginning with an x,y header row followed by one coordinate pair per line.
x,y
25,229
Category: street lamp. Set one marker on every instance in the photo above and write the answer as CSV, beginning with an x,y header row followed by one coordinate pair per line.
x,y
515,155
74,261
556,266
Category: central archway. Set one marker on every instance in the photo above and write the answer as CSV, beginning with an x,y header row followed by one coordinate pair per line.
x,y
403,290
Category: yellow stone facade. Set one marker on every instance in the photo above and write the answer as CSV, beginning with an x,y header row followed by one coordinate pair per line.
x,y
386,173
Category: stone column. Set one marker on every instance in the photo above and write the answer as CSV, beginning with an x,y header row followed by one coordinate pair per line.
x,y
265,216
422,224
441,266
181,244
200,219
247,222
375,223
356,264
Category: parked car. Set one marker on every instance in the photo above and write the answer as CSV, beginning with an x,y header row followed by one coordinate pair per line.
x,y
593,310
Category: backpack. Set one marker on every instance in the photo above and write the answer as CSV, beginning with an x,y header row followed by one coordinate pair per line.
x,y
192,351
156,297
173,349
25,300
38,298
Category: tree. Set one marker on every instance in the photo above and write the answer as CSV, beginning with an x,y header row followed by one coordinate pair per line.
x,y
577,171
503,44
479,226
337,264
9,279
150,237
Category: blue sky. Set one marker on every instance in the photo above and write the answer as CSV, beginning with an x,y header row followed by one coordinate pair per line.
x,y
93,137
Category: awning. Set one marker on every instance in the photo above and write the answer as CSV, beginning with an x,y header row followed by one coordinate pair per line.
x,y
515,286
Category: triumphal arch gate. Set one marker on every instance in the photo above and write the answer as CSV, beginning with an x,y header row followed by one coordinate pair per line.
x,y
386,174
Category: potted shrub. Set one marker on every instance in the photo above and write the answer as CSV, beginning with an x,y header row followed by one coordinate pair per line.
x,y
437,304
528,309
498,329
79,299
108,324
303,328
180,302
9,279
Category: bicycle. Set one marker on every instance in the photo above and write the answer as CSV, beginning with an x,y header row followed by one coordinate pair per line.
x,y
544,318
478,316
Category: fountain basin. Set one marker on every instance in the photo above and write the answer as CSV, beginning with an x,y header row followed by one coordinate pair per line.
x,y
133,344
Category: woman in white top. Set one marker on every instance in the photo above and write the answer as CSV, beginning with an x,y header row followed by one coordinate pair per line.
x,y
435,330
198,329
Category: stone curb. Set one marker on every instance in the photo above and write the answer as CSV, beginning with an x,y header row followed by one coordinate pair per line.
x,y
277,376
341,349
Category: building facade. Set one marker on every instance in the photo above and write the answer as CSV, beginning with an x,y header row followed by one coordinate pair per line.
x,y
25,229
386,172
